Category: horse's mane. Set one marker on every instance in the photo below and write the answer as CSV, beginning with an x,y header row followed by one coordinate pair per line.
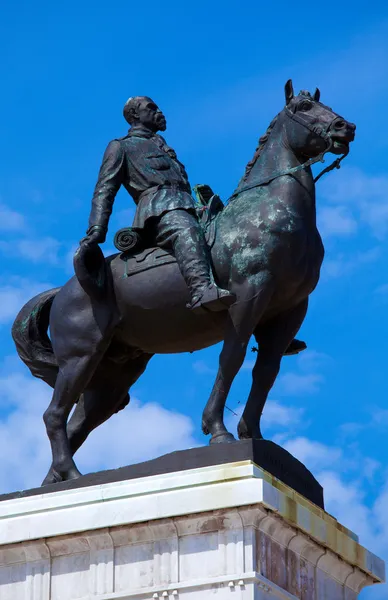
x,y
262,141
264,138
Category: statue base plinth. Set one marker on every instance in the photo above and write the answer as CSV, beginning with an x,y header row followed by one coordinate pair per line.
x,y
268,455
230,529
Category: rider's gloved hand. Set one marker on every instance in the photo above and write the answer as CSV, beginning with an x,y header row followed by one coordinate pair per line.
x,y
96,234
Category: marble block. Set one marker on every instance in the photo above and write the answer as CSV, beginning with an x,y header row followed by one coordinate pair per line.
x,y
228,531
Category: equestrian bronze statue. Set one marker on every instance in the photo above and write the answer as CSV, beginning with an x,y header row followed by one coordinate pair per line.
x,y
199,275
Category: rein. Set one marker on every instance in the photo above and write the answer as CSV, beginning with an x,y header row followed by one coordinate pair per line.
x,y
336,164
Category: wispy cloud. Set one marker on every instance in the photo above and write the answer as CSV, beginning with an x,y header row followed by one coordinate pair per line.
x,y
313,454
10,220
343,264
312,360
15,293
360,195
203,368
336,221
275,416
382,289
257,99
123,440
307,378
295,383
278,415
37,250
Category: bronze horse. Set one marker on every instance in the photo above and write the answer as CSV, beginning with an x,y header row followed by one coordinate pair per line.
x,y
267,250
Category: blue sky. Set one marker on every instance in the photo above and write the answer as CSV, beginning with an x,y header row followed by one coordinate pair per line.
x,y
218,70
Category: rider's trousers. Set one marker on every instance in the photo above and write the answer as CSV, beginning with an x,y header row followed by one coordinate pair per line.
x,y
179,230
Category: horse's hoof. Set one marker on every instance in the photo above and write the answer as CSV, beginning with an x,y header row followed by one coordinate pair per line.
x,y
54,477
49,479
244,434
223,438
72,473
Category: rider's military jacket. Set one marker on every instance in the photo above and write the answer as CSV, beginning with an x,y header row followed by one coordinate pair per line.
x,y
151,173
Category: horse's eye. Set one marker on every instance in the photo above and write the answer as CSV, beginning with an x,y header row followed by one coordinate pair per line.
x,y
305,105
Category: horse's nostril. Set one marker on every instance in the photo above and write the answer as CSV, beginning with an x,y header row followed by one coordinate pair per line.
x,y
340,124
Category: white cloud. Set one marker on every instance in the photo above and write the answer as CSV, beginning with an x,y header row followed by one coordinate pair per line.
x,y
37,250
23,442
11,220
346,264
351,67
314,455
296,383
380,417
279,415
307,378
312,360
202,368
346,501
15,293
275,415
353,186
140,432
68,260
351,429
364,193
382,289
337,221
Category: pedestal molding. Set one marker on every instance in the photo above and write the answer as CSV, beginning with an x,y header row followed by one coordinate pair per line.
x,y
230,530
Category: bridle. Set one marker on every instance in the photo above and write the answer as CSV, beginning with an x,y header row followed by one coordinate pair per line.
x,y
324,133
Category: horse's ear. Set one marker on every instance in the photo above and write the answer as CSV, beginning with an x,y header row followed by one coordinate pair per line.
x,y
317,95
289,90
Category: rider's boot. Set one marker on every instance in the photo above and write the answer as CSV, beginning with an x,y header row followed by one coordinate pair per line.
x,y
211,298
192,257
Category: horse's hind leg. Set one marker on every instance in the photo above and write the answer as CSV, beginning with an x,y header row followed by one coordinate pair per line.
x,y
273,338
106,394
80,335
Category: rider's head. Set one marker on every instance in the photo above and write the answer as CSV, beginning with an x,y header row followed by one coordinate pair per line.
x,y
141,109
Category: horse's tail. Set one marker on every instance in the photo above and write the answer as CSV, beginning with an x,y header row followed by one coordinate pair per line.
x,y
29,333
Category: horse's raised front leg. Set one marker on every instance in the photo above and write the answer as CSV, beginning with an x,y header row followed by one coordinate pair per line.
x,y
242,321
273,338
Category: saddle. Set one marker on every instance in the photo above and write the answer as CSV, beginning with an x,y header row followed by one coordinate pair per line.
x,y
136,251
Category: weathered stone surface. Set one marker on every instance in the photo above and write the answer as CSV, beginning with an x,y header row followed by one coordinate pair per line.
x,y
190,535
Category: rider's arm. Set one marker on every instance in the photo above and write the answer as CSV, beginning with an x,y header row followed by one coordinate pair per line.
x,y
109,180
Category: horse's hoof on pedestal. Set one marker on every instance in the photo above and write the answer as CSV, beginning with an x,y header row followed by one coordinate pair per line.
x,y
223,438
54,477
245,434
49,479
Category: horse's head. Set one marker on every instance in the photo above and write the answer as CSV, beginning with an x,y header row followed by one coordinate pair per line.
x,y
313,128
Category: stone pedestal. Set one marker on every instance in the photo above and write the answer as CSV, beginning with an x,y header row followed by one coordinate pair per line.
x,y
222,532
